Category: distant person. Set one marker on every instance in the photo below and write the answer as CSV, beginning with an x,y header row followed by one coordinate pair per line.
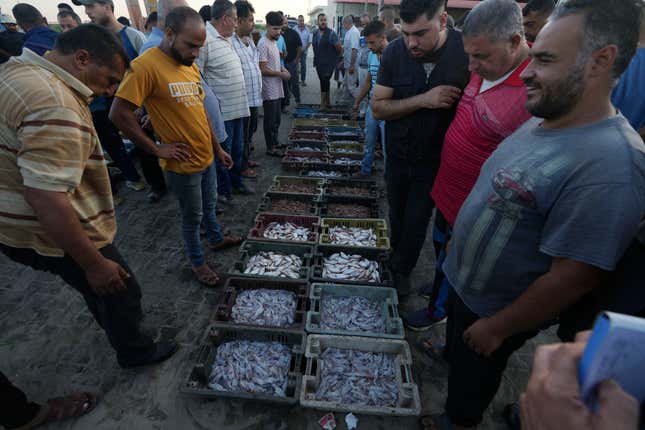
x,y
536,12
39,38
351,45
151,22
273,73
123,20
327,51
365,19
294,51
68,20
387,16
205,12
305,37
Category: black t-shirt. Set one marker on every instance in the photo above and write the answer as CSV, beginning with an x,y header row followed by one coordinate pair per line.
x,y
11,42
418,137
293,42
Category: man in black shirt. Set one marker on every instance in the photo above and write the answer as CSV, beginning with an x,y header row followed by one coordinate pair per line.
x,y
294,51
417,90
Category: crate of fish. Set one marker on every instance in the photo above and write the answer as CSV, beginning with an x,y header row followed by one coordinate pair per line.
x,y
348,207
250,363
297,185
290,204
360,233
307,146
338,148
273,260
285,228
361,375
277,303
346,159
307,134
354,266
326,122
354,310
363,189
296,160
344,133
325,171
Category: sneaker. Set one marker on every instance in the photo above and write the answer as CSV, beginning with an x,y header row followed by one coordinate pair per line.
x,y
162,351
244,190
421,320
136,186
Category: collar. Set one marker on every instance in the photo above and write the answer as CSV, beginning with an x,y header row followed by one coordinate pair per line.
x,y
210,27
156,31
30,57
513,80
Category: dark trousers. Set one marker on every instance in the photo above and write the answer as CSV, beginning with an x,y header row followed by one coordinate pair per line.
x,y
16,409
293,83
151,169
473,379
118,314
112,143
250,127
410,206
441,234
271,123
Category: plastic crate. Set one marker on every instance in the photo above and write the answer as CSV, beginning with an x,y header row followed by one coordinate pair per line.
x,y
251,247
379,226
409,403
299,159
348,148
309,135
279,181
308,128
266,204
370,188
235,285
317,145
370,204
387,297
326,122
200,362
380,256
325,168
264,219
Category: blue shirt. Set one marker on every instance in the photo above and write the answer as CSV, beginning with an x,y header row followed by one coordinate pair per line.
x,y
40,39
211,101
629,94
282,47
305,37
575,193
373,64
325,54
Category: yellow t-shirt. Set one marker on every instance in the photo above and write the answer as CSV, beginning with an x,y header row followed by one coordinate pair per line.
x,y
174,98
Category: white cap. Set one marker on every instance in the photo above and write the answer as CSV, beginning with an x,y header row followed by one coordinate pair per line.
x,y
7,19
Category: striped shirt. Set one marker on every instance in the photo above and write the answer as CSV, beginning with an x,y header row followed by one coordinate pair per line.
x,y
48,142
222,71
250,59
272,88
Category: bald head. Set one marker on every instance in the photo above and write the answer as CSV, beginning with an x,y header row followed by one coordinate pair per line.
x,y
163,9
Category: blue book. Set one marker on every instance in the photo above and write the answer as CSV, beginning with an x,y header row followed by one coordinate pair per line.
x,y
615,350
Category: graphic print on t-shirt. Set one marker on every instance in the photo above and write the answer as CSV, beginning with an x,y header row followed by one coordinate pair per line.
x,y
188,93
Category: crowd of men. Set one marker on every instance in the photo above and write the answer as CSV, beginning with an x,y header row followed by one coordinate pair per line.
x,y
518,131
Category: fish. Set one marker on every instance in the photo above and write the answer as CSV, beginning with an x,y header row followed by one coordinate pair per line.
x,y
351,267
352,236
264,307
286,231
252,367
295,188
289,206
324,173
344,161
338,190
353,313
349,210
271,263
358,378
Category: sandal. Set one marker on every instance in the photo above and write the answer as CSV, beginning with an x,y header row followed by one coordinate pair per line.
x,y
436,422
206,275
249,173
73,405
228,241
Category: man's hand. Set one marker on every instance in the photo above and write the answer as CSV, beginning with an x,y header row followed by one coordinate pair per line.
x,y
106,277
351,69
285,75
441,97
483,338
176,151
225,158
552,398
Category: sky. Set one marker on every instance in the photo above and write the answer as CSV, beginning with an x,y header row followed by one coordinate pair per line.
x,y
290,7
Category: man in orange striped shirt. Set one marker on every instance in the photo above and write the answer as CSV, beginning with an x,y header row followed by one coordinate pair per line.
x,y
56,209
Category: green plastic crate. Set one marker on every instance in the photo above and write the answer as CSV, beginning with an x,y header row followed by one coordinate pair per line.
x,y
266,205
316,183
251,247
379,226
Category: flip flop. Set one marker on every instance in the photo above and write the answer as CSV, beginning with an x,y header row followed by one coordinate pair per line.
x,y
209,279
228,241
73,405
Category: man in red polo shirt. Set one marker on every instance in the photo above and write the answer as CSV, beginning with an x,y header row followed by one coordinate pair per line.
x,y
491,108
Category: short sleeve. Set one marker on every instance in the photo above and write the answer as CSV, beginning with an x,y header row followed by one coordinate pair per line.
x,y
356,40
384,77
263,51
137,84
54,149
592,224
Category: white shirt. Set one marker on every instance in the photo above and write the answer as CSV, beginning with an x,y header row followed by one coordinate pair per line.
x,y
351,41
487,85
222,71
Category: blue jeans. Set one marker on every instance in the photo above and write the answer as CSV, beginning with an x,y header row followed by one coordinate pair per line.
x,y
372,126
303,67
441,235
235,147
197,195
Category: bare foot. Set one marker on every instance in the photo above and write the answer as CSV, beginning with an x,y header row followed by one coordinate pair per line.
x,y
205,275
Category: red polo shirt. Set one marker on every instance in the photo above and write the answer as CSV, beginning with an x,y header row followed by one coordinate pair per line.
x,y
482,122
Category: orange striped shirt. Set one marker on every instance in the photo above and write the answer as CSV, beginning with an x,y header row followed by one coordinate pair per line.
x,y
48,142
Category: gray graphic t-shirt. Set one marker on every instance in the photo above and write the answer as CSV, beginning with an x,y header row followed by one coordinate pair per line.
x,y
576,193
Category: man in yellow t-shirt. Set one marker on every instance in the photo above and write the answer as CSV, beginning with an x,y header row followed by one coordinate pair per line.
x,y
166,82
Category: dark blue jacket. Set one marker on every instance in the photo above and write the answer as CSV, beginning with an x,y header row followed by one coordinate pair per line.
x,y
40,39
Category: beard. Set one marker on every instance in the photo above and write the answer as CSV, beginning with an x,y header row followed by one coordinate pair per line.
x,y
179,58
559,98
